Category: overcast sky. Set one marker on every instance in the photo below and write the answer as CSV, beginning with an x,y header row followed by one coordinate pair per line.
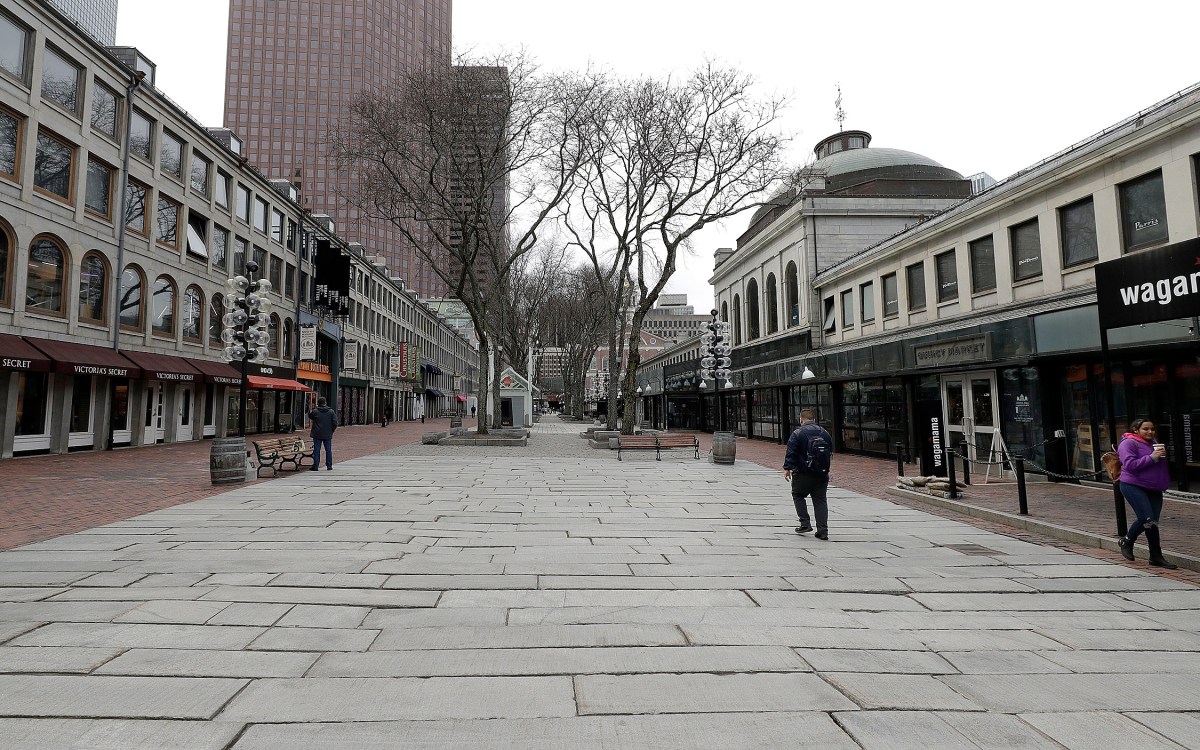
x,y
977,87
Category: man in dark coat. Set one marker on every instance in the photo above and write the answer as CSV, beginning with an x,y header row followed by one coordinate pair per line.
x,y
324,423
808,477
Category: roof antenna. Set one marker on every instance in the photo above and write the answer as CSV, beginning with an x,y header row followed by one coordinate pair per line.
x,y
840,114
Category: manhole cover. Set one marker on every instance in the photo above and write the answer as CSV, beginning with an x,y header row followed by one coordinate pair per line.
x,y
972,549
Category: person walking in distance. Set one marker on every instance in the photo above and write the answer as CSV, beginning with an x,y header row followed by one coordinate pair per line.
x,y
806,466
324,423
1143,478
387,415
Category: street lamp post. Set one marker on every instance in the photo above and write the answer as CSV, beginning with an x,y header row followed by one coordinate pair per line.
x,y
715,361
244,327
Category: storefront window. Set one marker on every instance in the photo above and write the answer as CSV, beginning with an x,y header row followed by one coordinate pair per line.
x,y
32,403
767,412
269,401
1021,413
81,404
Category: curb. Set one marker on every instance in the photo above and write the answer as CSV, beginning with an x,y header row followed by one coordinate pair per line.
x,y
1064,533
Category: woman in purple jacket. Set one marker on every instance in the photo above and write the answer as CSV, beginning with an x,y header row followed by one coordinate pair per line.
x,y
1143,479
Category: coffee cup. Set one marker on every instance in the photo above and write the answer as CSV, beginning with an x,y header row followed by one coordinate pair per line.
x,y
1160,448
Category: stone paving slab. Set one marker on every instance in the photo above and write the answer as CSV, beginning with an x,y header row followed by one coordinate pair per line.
x,y
1078,692
1097,730
115,734
57,660
705,693
1182,728
559,661
922,730
314,639
96,696
202,663
693,731
529,636
322,699
900,692
138,635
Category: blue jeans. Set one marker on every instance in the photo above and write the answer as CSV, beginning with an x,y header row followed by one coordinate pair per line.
x,y
1147,504
328,443
804,485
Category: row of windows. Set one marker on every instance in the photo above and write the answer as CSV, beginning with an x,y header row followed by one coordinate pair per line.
x,y
1143,220
753,327
139,302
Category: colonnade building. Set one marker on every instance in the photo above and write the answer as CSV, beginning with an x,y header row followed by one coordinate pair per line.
x,y
918,308
121,217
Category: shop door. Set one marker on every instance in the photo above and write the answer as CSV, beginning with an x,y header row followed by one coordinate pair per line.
x,y
210,410
184,431
155,431
972,413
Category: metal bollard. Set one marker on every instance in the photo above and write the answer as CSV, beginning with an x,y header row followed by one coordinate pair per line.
x,y
899,459
966,464
1022,497
953,490
1119,503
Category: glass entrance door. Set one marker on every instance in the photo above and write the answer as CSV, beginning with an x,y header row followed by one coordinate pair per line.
x,y
971,413
184,429
155,431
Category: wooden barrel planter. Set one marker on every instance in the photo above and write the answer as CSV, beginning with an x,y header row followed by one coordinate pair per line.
x,y
724,447
227,461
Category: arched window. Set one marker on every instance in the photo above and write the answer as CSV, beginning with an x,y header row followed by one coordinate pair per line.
x,y
216,311
163,307
129,306
725,311
44,286
287,339
193,313
273,329
737,320
7,243
772,304
791,294
752,330
93,288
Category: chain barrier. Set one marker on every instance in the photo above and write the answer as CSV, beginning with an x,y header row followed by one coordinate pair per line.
x,y
1029,462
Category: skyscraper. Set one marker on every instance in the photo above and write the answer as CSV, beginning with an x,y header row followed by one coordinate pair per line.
x,y
291,73
97,17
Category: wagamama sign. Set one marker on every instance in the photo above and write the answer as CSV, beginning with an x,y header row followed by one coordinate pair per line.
x,y
1147,287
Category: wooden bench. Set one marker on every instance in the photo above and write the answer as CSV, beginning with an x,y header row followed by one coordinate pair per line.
x,y
636,443
667,441
274,453
657,443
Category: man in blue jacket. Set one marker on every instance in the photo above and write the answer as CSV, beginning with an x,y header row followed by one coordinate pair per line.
x,y
324,423
806,466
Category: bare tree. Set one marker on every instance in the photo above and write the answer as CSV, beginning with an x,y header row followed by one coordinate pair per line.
x,y
665,159
574,320
526,290
469,163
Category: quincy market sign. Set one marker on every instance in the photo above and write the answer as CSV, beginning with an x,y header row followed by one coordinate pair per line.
x,y
1147,287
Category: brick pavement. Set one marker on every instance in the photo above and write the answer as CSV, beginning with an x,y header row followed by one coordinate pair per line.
x,y
92,489
42,497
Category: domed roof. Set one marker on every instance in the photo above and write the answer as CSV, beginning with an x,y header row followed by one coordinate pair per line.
x,y
858,159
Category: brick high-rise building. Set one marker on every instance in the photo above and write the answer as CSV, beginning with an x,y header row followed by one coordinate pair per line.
x,y
291,74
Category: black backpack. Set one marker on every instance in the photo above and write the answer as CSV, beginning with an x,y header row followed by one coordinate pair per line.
x,y
820,453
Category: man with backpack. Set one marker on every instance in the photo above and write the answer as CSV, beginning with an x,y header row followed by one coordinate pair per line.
x,y
806,466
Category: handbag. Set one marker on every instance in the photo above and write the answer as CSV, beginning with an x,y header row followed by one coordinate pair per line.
x,y
1112,464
